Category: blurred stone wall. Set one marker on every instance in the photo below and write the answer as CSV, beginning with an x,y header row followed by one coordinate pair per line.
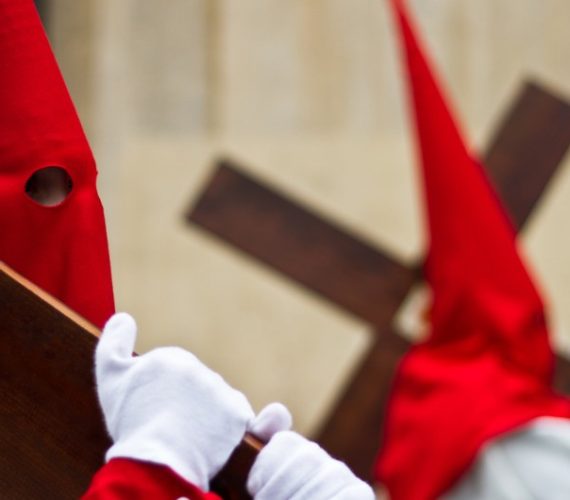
x,y
308,95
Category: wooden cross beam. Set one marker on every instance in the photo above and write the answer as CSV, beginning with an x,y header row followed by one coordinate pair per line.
x,y
363,280
51,429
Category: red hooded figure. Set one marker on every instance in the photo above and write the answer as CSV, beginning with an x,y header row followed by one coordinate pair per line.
x,y
61,248
486,366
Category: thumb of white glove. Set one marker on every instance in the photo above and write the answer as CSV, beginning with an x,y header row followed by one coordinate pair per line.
x,y
294,468
166,406
273,418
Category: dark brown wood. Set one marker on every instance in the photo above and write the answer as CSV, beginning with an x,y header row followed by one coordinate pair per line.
x,y
302,245
352,432
52,434
230,483
521,169
562,375
326,259
529,145
51,429
528,148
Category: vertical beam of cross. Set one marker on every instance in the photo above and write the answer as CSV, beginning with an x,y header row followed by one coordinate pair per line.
x,y
528,146
363,280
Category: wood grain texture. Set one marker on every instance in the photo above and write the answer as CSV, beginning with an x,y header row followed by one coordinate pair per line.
x,y
51,429
302,245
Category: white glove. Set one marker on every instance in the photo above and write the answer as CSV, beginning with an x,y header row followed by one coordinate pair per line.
x,y
165,406
294,468
274,418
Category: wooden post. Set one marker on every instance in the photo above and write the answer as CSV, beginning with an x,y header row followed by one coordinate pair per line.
x,y
52,434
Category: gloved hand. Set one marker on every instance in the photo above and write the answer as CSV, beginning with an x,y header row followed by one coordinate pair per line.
x,y
294,468
272,419
167,407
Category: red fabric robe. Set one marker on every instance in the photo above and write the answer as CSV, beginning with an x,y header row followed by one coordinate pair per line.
x,y
124,479
487,364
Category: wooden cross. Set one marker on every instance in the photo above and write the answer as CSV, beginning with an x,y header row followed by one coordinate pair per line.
x,y
51,428
366,281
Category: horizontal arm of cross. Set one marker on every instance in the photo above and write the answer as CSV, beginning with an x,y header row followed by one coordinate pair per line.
x,y
526,151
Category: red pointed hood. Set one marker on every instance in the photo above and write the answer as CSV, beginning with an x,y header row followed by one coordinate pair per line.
x,y
63,249
487,364
472,264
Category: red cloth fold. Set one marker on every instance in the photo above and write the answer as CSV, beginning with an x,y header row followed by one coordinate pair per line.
x,y
63,249
487,364
124,479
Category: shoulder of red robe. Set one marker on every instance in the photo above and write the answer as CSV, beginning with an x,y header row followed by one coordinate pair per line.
x,y
123,478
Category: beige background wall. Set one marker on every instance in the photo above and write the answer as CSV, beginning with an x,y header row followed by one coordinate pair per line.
x,y
306,93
